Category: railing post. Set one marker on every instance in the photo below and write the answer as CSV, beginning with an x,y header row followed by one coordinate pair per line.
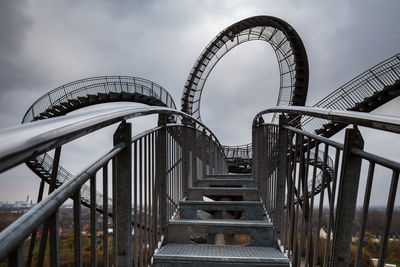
x,y
194,157
16,258
347,198
211,157
122,197
185,159
161,172
218,162
255,154
281,177
77,229
93,244
261,158
203,143
54,225
257,157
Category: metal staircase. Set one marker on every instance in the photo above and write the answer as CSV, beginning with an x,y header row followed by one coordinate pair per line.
x,y
222,222
170,208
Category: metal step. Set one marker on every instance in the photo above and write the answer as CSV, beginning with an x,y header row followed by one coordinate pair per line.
x,y
253,210
222,256
260,232
230,176
225,182
197,193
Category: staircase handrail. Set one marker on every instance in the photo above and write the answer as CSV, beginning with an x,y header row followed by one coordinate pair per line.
x,y
20,143
374,121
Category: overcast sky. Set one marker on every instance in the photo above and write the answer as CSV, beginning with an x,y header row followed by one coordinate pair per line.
x,y
45,44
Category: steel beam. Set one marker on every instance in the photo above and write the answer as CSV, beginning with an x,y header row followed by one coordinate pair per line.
x,y
281,178
347,198
122,197
161,172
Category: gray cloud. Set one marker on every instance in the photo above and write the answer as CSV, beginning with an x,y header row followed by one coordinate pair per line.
x,y
46,44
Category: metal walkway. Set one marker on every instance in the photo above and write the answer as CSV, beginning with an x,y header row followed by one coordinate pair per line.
x,y
173,200
212,226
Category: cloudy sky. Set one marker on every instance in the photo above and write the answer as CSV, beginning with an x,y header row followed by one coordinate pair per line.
x,y
45,44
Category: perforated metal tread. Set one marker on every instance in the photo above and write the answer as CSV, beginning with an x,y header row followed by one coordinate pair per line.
x,y
230,176
220,203
233,189
247,194
227,179
223,222
221,254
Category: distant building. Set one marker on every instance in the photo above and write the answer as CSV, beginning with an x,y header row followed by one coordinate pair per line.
x,y
23,204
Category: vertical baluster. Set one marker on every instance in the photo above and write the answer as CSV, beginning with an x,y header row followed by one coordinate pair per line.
x,y
52,222
306,208
145,206
295,193
149,247
300,198
363,226
309,249
203,154
161,167
77,229
93,243
185,159
154,195
33,235
289,194
151,192
194,157
170,196
388,218
331,222
135,202
281,176
141,231
321,204
105,215
172,175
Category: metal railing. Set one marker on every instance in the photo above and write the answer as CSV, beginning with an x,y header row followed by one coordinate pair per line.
x,y
349,95
82,89
150,173
94,86
284,167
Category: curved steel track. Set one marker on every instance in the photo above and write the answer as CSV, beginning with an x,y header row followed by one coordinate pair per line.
x,y
286,43
83,93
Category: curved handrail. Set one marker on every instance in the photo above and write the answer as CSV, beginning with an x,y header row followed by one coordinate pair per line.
x,y
374,121
66,129
288,47
96,85
17,232
87,92
18,144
